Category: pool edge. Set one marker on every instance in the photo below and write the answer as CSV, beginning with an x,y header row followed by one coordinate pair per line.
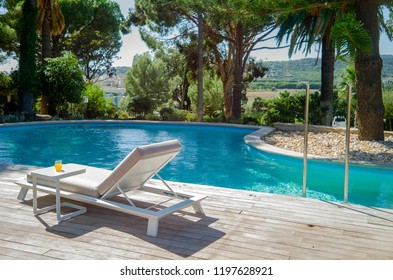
x,y
256,140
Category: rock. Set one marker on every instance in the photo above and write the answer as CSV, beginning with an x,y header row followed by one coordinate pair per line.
x,y
332,145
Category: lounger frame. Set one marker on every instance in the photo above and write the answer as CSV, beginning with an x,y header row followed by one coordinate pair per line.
x,y
152,216
133,174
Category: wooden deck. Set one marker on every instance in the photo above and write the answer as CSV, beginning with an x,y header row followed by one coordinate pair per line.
x,y
237,225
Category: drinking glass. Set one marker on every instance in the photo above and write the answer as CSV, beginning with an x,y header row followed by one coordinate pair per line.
x,y
58,165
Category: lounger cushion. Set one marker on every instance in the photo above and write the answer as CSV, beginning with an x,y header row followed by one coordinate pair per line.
x,y
140,165
133,172
85,183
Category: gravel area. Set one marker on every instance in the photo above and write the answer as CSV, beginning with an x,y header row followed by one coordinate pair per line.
x,y
332,145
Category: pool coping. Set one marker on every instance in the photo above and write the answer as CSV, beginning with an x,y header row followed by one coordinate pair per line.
x,y
54,122
256,140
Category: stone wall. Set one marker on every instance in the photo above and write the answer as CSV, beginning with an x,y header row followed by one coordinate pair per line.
x,y
317,128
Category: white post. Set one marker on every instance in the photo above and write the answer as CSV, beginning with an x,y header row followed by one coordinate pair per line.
x,y
305,148
347,140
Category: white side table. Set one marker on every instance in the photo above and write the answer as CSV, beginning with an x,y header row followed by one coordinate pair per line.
x,y
50,173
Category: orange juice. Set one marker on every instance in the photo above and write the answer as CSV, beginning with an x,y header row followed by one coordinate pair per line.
x,y
58,165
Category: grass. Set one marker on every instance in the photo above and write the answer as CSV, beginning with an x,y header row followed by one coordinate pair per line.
x,y
267,94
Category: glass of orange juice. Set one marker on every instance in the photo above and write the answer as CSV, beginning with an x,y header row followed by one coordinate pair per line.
x,y
58,165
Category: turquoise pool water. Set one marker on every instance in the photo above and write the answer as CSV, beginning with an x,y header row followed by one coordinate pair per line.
x,y
211,155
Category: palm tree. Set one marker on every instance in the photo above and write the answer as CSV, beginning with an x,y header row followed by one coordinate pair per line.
x,y
364,52
368,67
50,22
304,28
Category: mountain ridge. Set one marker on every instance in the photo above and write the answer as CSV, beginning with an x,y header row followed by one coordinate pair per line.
x,y
293,74
308,70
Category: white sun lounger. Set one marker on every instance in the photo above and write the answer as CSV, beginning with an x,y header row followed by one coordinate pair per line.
x,y
97,185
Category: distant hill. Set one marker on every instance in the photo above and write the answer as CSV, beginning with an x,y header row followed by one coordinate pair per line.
x,y
122,71
294,73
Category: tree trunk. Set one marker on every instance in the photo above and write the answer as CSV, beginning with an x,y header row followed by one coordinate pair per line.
x,y
327,78
27,62
228,98
226,69
370,110
46,53
26,104
185,99
55,46
238,75
200,68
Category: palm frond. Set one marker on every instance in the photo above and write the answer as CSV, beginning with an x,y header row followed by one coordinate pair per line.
x,y
304,28
350,36
49,11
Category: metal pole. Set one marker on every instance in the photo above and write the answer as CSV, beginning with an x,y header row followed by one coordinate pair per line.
x,y
305,148
347,140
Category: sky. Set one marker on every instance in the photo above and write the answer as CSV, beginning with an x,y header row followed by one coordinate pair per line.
x,y
133,44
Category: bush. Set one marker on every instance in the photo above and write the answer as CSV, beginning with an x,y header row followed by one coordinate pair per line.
x,y
212,97
110,111
10,119
287,108
64,81
258,104
77,117
388,103
97,106
191,117
22,117
214,119
123,115
165,112
281,109
151,117
252,117
173,114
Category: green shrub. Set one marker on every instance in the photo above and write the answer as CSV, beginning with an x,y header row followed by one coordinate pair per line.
x,y
287,108
151,117
123,115
165,113
11,119
213,100
173,114
64,81
77,117
258,104
97,106
110,110
252,117
178,115
388,104
191,117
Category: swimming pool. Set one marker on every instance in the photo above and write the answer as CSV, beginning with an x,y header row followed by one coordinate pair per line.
x,y
211,155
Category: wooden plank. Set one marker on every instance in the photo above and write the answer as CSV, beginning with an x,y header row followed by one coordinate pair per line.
x,y
238,225
7,253
10,244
